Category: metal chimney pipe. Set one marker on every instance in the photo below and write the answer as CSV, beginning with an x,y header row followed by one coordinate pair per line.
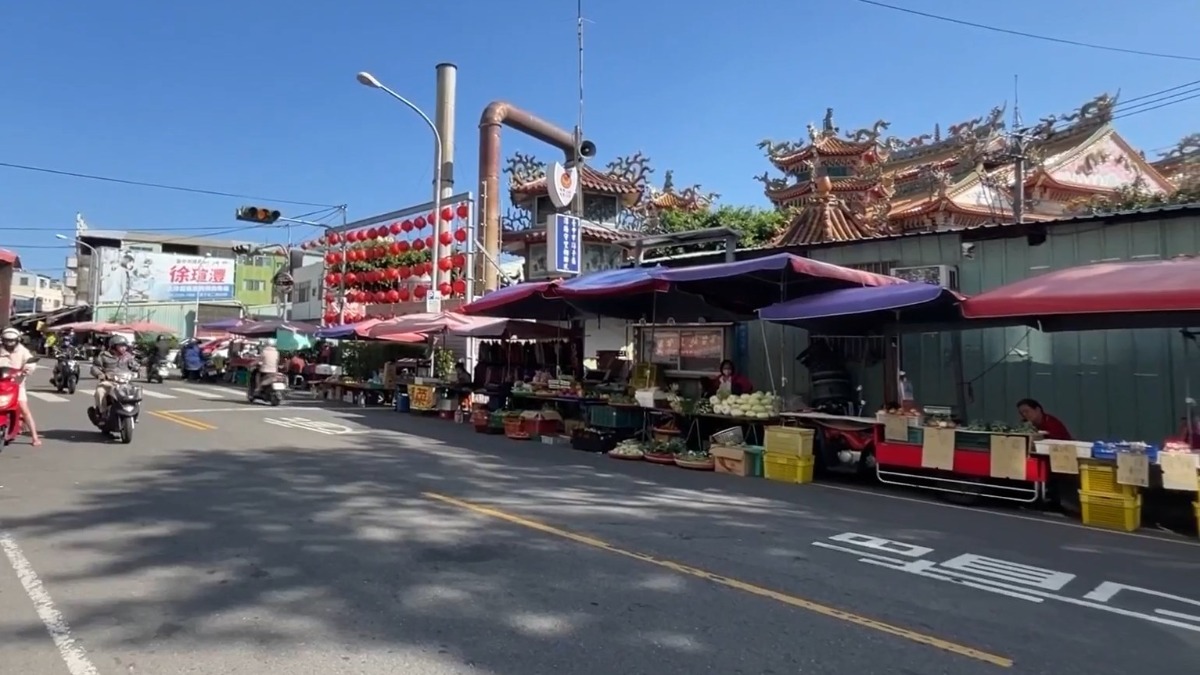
x,y
496,115
443,119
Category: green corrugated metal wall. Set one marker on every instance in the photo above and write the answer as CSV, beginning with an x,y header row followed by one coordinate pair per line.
x,y
1117,384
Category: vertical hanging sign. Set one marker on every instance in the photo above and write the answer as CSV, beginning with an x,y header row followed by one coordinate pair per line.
x,y
562,184
564,244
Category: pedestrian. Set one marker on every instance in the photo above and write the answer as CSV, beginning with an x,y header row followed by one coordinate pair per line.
x,y
14,355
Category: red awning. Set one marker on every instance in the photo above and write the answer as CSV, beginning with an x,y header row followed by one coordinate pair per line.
x,y
9,257
1123,288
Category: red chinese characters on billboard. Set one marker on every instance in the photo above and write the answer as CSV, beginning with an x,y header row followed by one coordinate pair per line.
x,y
196,274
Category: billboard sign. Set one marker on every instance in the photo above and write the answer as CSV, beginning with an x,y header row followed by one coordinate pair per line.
x,y
134,275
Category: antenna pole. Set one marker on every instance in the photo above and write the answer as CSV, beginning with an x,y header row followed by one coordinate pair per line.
x,y
577,203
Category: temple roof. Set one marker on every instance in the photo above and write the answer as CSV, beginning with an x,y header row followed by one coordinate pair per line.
x,y
591,181
624,178
826,218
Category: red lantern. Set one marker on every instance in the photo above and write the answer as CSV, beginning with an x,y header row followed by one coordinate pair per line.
x,y
337,258
393,296
459,286
445,288
460,260
405,272
394,228
331,258
334,237
363,235
419,245
370,233
462,210
444,264
429,242
331,279
407,226
431,219
460,235
330,317
381,297
351,278
446,238
419,223
447,214
330,297
402,246
392,274
402,295
394,248
419,292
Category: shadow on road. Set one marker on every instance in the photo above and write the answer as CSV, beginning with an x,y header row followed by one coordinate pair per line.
x,y
281,546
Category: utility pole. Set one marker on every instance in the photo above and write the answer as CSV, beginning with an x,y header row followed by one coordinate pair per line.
x,y
1017,154
577,203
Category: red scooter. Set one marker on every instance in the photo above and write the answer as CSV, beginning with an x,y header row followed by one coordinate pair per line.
x,y
10,410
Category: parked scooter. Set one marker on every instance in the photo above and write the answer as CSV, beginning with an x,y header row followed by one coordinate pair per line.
x,y
123,404
65,376
157,371
10,405
268,387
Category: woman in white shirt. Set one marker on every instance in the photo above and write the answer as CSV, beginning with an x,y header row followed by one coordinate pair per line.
x,y
14,355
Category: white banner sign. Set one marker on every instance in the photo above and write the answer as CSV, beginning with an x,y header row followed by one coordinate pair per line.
x,y
146,276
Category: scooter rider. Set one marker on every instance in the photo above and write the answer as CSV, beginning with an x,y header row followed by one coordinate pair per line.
x,y
268,362
14,355
117,357
159,352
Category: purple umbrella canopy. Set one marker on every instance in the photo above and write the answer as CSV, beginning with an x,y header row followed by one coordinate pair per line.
x,y
870,304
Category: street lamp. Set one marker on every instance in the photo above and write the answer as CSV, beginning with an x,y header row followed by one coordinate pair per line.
x,y
93,276
199,287
368,80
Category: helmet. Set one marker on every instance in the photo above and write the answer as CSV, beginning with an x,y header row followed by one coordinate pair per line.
x,y
10,335
118,341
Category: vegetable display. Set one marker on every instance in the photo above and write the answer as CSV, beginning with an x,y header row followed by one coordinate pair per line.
x,y
759,405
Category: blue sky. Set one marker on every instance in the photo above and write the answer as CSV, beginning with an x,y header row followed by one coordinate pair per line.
x,y
260,98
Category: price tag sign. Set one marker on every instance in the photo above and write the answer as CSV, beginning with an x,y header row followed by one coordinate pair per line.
x,y
422,398
1133,469
1064,459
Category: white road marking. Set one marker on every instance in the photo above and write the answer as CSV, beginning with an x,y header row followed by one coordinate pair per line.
x,y
203,393
256,408
71,652
48,397
156,394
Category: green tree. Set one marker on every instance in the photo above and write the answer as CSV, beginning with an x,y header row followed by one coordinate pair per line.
x,y
754,226
1133,197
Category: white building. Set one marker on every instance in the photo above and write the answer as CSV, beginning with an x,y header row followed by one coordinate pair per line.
x,y
34,293
307,302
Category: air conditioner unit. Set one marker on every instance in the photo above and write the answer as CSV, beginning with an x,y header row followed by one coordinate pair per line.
x,y
945,276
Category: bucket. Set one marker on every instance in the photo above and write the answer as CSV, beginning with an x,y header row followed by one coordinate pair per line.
x,y
402,403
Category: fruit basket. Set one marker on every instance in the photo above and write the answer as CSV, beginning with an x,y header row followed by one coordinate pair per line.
x,y
629,450
481,419
697,461
660,452
514,428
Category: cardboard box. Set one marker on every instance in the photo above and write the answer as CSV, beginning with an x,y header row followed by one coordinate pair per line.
x,y
731,460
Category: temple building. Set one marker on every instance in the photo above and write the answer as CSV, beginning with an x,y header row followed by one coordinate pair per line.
x,y
863,184
1181,164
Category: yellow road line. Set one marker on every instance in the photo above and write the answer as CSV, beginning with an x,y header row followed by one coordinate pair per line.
x,y
792,600
182,421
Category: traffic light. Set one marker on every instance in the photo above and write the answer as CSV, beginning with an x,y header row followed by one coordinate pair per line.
x,y
243,249
258,214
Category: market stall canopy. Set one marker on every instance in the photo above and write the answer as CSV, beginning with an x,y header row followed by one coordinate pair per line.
x,y
404,338
270,328
147,327
223,324
528,300
423,322
510,329
345,330
88,327
1149,294
868,308
721,291
9,257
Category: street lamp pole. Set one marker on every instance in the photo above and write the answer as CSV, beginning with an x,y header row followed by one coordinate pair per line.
x,y
369,80
196,318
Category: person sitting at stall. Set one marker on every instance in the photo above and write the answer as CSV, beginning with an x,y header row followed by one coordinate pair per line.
x,y
730,381
1031,411
461,374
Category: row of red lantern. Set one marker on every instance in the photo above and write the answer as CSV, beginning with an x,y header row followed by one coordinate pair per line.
x,y
394,248
456,261
402,294
408,225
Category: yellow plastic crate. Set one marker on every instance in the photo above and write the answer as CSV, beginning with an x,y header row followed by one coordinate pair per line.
x,y
790,441
787,468
1100,478
1110,512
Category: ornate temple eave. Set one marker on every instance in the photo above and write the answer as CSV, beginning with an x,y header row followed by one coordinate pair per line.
x,y
838,185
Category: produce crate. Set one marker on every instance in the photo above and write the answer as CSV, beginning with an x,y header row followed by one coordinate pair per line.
x,y
791,441
1111,512
514,428
481,420
614,418
1100,478
787,468
590,441
740,460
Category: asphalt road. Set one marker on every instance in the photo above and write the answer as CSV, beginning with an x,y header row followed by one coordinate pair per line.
x,y
232,538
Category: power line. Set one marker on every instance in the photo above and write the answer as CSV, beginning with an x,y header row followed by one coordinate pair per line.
x,y
1030,36
157,186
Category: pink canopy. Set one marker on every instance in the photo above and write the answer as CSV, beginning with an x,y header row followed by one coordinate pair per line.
x,y
423,322
407,328
146,327
89,327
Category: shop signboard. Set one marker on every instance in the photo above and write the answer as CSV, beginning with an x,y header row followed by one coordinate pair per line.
x,y
564,244
132,275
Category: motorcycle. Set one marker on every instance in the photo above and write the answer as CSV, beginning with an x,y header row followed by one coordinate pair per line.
x,y
269,387
123,402
157,371
65,376
10,410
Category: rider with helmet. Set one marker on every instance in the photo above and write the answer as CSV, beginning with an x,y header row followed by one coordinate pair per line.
x,y
15,355
268,361
116,358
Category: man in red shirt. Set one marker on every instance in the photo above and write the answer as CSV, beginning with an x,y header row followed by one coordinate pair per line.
x,y
1053,428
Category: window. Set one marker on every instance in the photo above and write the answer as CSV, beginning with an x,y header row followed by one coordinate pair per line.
x,y
23,280
43,283
255,285
304,291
